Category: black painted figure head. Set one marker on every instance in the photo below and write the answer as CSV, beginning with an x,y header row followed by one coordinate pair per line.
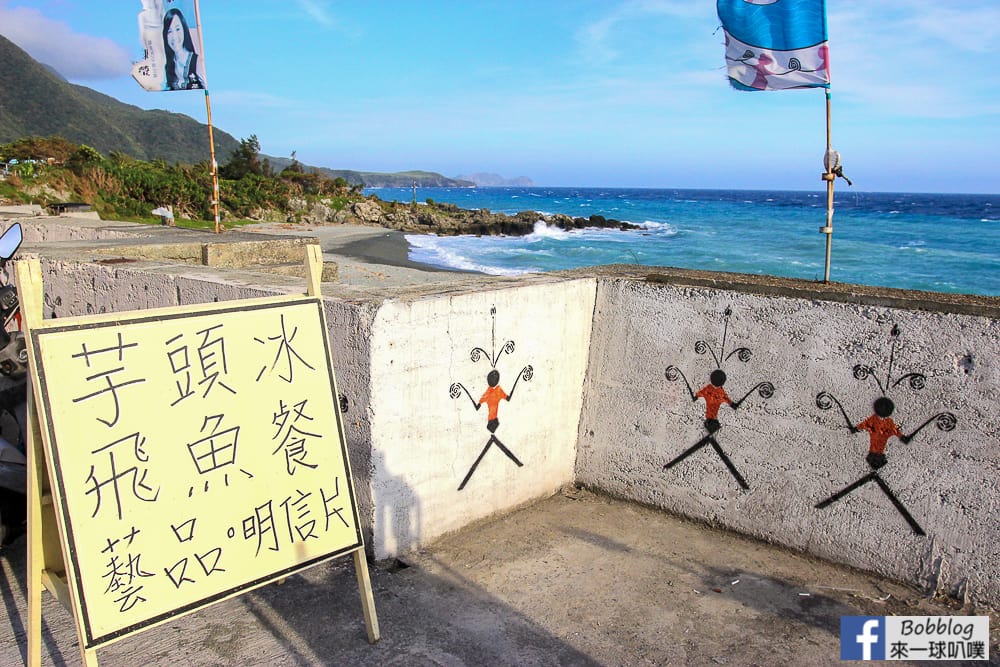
x,y
493,379
883,406
718,377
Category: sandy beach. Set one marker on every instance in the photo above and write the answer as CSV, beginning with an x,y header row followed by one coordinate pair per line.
x,y
367,256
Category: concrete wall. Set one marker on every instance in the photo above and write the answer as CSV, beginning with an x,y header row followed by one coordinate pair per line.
x,y
410,442
792,453
425,441
599,343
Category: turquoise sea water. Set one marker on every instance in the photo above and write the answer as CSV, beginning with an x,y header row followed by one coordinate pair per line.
x,y
936,242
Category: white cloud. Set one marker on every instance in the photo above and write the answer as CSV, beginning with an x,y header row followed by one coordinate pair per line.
x,y
596,38
319,11
74,55
916,59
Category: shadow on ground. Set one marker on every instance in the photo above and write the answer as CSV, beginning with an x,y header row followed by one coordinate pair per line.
x,y
576,579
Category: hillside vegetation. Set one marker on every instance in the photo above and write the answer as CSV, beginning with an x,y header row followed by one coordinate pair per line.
x,y
73,144
123,188
117,186
35,101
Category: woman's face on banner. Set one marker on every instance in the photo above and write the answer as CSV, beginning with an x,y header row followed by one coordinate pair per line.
x,y
175,34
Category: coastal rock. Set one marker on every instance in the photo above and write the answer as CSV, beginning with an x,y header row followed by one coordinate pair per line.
x,y
367,211
319,213
449,220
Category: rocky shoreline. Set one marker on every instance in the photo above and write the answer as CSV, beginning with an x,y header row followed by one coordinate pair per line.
x,y
448,219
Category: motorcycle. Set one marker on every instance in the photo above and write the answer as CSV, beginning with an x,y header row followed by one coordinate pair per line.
x,y
13,401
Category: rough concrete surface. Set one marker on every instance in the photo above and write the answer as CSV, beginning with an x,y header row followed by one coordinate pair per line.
x,y
577,579
792,453
431,360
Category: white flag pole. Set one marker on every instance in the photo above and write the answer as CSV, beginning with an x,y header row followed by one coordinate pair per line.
x,y
830,162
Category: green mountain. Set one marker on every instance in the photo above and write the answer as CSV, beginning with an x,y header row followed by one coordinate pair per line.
x,y
37,101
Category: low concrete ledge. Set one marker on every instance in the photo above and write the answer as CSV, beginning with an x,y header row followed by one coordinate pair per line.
x,y
21,210
233,250
241,254
890,297
941,302
298,270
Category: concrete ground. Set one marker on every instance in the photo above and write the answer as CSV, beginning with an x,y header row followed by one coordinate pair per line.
x,y
575,579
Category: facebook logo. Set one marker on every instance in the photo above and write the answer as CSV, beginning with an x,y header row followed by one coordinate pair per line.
x,y
862,638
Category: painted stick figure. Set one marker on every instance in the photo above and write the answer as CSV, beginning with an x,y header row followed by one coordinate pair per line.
x,y
491,398
715,397
880,427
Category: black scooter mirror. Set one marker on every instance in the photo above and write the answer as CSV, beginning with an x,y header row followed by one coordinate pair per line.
x,y
10,241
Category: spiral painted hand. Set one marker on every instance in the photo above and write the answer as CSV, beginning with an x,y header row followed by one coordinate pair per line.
x,y
862,372
946,421
915,380
455,390
824,400
765,390
742,353
673,373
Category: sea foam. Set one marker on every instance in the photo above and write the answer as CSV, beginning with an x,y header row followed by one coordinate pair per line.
x,y
545,231
436,251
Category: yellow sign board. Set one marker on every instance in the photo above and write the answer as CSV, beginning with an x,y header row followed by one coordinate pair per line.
x,y
193,454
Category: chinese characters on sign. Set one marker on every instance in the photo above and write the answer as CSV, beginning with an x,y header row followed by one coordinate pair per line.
x,y
194,454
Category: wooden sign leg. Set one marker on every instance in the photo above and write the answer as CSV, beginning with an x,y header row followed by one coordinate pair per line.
x,y
314,270
365,590
29,287
36,562
46,564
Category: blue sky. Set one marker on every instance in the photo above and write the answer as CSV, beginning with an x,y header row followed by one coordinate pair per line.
x,y
578,92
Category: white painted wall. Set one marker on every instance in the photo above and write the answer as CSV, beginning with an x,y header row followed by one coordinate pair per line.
x,y
793,454
424,442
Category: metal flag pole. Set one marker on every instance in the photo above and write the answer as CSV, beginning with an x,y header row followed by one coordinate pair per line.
x,y
208,110
831,161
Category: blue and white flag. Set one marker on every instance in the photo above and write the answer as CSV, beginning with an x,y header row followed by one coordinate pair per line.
x,y
171,39
775,44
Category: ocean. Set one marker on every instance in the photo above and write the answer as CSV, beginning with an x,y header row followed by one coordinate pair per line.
x,y
934,242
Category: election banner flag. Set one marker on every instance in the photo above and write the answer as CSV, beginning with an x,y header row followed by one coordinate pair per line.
x,y
782,45
170,34
775,44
